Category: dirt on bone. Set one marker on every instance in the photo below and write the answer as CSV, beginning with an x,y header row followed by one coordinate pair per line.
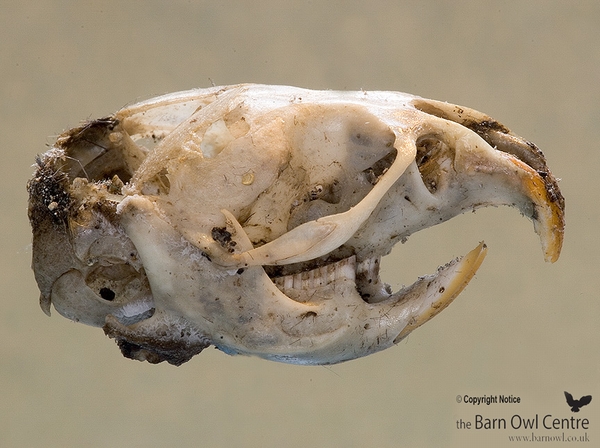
x,y
144,238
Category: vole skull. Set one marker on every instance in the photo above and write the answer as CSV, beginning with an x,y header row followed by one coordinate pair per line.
x,y
254,218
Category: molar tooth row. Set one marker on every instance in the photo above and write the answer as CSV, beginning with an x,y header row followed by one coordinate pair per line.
x,y
319,277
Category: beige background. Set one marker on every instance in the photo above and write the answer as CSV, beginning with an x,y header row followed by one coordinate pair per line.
x,y
522,327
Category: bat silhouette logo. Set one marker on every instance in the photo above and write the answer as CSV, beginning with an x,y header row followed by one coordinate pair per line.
x,y
576,404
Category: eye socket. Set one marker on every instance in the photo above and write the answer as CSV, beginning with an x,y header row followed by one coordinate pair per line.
x,y
107,294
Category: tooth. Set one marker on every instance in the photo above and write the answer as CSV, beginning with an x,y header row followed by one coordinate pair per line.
x,y
173,162
338,313
504,179
297,281
429,295
547,215
284,283
506,169
321,276
309,279
530,193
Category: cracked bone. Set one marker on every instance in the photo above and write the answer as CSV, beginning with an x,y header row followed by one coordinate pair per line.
x,y
254,218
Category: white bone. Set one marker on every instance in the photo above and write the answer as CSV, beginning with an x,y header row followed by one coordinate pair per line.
x,y
253,218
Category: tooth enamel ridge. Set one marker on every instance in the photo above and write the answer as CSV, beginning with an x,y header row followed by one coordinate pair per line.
x,y
254,218
315,278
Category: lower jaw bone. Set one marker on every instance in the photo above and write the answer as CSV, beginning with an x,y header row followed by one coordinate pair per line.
x,y
369,327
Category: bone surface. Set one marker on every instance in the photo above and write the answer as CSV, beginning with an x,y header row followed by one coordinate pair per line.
x,y
254,218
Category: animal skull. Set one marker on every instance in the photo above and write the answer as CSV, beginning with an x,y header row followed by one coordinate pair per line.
x,y
254,218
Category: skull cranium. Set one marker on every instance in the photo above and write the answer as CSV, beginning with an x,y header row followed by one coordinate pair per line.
x,y
254,218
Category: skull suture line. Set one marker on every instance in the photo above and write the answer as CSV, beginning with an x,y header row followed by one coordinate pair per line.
x,y
254,218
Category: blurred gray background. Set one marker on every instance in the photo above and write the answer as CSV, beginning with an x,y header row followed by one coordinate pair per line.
x,y
522,327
